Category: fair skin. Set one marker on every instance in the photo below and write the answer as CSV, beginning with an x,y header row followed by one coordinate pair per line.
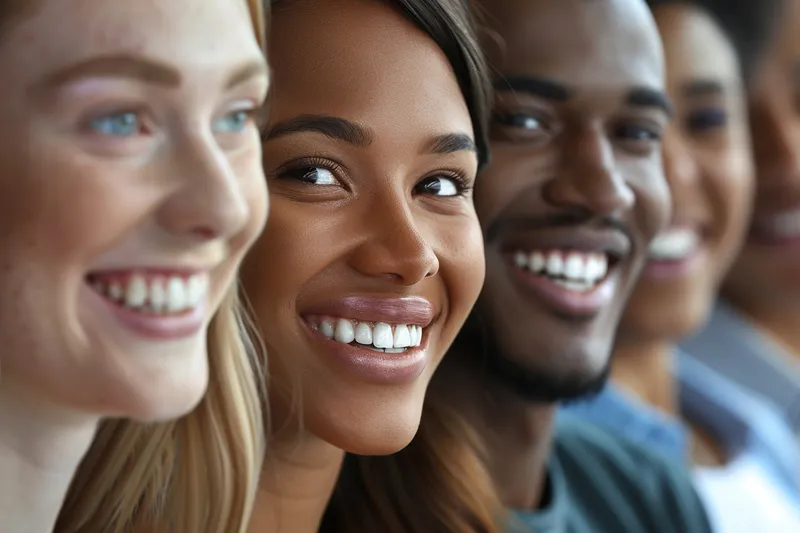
x,y
131,178
369,157
709,168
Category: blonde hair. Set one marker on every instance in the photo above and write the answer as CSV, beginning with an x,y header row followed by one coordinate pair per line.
x,y
198,474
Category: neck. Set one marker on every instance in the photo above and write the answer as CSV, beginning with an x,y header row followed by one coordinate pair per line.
x,y
41,447
516,434
298,478
645,369
779,322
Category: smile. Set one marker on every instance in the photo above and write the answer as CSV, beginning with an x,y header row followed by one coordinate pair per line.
x,y
152,293
376,336
573,270
674,245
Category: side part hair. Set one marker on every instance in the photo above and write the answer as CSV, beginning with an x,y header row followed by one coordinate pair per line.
x,y
439,483
749,24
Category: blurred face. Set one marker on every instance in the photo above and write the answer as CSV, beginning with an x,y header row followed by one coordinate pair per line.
x,y
767,274
132,182
374,254
709,170
576,188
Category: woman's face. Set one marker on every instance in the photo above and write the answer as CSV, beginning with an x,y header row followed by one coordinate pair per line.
x,y
710,173
373,256
130,185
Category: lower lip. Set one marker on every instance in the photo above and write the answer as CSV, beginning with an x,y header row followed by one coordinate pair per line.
x,y
659,269
152,326
375,367
577,304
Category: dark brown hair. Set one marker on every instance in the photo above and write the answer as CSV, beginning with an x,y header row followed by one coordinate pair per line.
x,y
439,483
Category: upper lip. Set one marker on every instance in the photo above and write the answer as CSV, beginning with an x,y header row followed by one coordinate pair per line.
x,y
585,239
406,310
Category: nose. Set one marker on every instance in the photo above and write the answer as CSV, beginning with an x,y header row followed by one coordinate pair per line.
x,y
776,146
394,248
210,201
680,167
589,180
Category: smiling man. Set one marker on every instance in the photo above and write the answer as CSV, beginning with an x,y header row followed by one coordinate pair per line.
x,y
574,194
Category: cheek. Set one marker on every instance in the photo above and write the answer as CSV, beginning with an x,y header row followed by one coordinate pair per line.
x,y
254,190
463,268
653,207
730,187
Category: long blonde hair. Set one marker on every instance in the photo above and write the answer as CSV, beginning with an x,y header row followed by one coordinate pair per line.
x,y
197,474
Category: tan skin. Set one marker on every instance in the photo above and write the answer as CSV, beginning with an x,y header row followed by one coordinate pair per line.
x,y
535,173
764,283
354,219
146,160
710,172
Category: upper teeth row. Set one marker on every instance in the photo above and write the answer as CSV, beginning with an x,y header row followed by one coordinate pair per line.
x,y
171,294
785,224
674,244
379,336
573,265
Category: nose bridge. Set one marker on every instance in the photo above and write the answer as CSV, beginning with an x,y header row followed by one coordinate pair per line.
x,y
396,247
680,167
208,200
590,179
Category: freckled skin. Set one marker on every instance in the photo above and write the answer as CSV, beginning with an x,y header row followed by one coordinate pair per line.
x,y
79,201
371,234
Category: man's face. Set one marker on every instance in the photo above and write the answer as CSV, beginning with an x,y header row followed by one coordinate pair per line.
x,y
576,189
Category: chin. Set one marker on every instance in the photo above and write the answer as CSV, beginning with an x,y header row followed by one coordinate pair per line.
x,y
377,432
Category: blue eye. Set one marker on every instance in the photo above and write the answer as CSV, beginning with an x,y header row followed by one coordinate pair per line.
x,y
120,124
233,122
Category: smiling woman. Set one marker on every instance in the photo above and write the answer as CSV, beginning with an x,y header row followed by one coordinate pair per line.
x,y
131,178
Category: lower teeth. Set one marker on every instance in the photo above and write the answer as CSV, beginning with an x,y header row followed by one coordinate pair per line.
x,y
381,350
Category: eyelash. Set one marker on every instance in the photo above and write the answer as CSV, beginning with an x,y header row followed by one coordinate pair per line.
x,y
460,181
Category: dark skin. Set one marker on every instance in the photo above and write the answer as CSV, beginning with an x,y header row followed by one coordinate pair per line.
x,y
709,168
366,202
576,151
764,283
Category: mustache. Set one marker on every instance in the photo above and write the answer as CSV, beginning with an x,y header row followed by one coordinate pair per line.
x,y
504,225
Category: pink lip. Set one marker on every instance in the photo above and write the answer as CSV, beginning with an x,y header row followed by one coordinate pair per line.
x,y
152,326
674,269
409,310
578,304
376,367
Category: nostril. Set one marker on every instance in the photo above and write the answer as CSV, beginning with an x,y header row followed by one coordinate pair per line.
x,y
205,233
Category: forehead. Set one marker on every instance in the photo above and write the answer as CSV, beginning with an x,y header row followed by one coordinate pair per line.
x,y
695,46
582,43
361,60
183,32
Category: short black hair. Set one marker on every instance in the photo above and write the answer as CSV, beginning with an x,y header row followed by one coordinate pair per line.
x,y
749,24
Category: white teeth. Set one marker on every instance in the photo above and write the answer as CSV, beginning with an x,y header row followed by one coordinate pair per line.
x,y
580,271
402,337
674,244
136,293
555,265
326,328
158,294
785,224
381,336
345,332
363,333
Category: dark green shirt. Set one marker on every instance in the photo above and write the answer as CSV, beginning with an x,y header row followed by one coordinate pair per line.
x,y
600,483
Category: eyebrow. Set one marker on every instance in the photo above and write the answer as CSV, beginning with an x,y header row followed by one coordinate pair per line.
x,y
450,143
140,68
647,97
700,88
534,85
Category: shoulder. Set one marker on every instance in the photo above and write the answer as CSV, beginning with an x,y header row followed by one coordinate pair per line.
x,y
647,485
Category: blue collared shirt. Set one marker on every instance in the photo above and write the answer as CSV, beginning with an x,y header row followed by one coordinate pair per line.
x,y
736,349
756,437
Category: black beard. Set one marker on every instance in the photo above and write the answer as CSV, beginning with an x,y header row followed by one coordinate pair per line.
x,y
529,384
